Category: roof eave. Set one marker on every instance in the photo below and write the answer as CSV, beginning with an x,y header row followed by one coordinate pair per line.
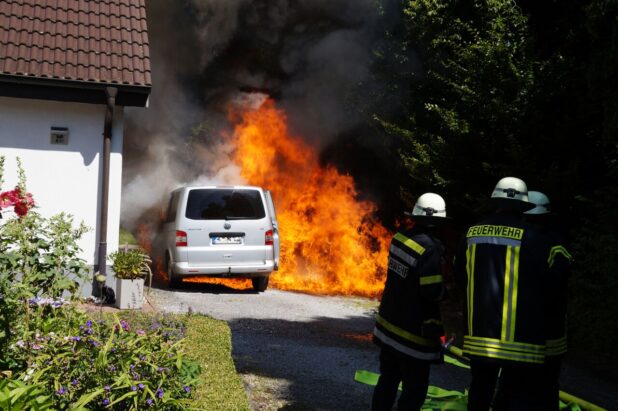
x,y
93,92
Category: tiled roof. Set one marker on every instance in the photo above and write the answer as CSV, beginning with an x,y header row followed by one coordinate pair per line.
x,y
101,41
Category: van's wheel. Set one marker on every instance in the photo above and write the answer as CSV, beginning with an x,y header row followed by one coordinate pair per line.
x,y
172,279
259,283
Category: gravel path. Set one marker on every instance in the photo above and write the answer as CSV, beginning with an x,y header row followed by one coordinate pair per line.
x,y
300,352
296,351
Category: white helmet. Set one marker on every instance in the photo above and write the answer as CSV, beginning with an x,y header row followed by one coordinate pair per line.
x,y
429,205
511,193
541,202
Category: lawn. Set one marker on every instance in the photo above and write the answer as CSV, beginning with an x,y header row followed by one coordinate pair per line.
x,y
209,342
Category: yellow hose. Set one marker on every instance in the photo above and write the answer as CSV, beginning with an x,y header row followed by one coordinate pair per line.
x,y
568,398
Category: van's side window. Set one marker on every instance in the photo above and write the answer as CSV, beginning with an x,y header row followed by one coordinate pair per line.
x,y
172,207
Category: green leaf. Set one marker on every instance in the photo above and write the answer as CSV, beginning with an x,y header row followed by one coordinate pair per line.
x,y
86,399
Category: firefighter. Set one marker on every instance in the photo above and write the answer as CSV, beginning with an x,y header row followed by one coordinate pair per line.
x,y
408,324
556,305
503,268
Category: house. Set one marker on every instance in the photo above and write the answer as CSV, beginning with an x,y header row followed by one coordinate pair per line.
x,y
67,70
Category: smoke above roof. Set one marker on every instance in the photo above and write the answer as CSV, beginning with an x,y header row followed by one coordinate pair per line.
x,y
308,55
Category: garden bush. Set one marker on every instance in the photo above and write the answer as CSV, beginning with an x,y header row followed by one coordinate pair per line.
x,y
54,355
108,363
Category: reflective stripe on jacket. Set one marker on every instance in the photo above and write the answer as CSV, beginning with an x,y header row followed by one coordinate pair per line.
x,y
504,268
559,262
408,320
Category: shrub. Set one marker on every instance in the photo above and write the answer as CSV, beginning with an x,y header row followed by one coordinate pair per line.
x,y
109,363
38,259
52,355
130,264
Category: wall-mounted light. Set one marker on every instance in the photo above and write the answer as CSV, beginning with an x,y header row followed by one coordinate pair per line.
x,y
59,135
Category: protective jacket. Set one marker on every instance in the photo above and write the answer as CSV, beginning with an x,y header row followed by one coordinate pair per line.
x,y
504,266
560,267
408,320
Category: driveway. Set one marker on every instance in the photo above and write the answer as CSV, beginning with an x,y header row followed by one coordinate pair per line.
x,y
300,352
296,351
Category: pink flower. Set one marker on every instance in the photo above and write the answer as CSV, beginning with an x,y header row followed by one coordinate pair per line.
x,y
6,199
21,202
21,209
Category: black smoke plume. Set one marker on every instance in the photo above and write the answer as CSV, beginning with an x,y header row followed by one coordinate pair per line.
x,y
308,55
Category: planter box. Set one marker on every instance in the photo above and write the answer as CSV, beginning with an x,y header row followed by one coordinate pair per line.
x,y
129,293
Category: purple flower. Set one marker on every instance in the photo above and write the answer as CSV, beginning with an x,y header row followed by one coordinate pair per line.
x,y
160,369
141,386
149,402
107,388
77,338
133,388
159,393
74,382
132,366
112,368
187,388
140,332
124,325
89,324
61,391
142,358
105,402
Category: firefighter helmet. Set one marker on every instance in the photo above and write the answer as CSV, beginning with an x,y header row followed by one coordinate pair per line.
x,y
511,193
429,206
540,201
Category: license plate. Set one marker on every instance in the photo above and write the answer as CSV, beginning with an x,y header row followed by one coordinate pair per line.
x,y
226,240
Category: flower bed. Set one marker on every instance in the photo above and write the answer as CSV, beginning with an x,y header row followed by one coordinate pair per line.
x,y
108,363
55,356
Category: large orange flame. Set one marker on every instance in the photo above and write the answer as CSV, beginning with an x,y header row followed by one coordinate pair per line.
x,y
331,243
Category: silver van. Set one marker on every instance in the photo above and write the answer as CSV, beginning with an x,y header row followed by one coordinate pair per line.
x,y
221,231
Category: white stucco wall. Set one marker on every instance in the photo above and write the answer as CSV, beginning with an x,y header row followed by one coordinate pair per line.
x,y
64,177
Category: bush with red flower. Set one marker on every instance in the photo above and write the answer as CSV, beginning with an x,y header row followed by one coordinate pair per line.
x,y
18,198
21,202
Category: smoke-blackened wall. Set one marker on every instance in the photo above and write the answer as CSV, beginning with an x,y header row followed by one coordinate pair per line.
x,y
309,55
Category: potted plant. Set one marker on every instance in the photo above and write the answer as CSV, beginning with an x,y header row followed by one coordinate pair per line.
x,y
130,269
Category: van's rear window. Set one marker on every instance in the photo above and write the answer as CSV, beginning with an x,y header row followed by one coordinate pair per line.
x,y
221,204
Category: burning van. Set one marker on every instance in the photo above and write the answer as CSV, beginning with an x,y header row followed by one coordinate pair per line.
x,y
221,231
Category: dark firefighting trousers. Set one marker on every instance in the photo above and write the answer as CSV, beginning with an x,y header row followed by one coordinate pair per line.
x,y
522,388
413,375
550,381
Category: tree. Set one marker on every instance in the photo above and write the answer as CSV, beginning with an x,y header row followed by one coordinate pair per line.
x,y
490,88
469,82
